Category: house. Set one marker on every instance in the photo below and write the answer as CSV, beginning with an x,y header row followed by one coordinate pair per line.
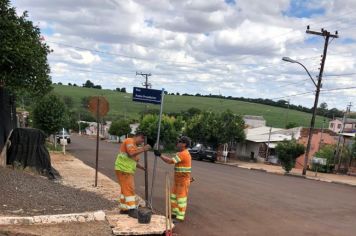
x,y
320,137
258,140
254,121
103,129
336,125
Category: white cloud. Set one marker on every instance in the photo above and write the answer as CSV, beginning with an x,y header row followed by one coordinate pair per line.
x,y
198,46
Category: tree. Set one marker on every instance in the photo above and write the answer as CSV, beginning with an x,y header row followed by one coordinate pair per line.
x,y
322,109
291,125
23,53
287,152
193,111
120,128
50,114
170,129
123,90
118,90
97,86
85,102
88,84
231,128
327,152
352,152
214,128
68,101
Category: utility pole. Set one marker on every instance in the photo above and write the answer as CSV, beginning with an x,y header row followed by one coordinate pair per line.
x,y
286,122
269,140
337,152
146,75
145,157
321,135
327,36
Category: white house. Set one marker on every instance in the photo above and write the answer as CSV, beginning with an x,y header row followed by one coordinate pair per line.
x,y
336,125
258,139
254,121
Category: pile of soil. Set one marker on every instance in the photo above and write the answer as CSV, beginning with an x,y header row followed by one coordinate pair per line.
x,y
25,194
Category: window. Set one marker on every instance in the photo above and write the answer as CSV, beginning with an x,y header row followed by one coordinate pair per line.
x,y
339,126
331,125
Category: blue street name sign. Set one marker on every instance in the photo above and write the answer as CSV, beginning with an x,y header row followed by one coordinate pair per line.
x,y
147,95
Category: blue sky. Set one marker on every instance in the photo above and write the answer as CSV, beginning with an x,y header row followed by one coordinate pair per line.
x,y
224,47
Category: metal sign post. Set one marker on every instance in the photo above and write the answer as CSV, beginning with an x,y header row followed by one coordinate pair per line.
x,y
146,172
97,143
153,96
157,143
99,106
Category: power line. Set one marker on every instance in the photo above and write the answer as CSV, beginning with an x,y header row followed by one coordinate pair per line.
x,y
337,89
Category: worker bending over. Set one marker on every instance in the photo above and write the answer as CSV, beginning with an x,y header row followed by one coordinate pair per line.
x,y
125,167
182,177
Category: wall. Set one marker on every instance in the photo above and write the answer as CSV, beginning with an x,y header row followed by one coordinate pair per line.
x,y
328,138
243,150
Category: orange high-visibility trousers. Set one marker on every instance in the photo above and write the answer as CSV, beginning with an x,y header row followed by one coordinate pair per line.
x,y
179,195
127,196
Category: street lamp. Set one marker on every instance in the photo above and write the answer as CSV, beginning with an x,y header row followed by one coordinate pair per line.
x,y
288,59
312,122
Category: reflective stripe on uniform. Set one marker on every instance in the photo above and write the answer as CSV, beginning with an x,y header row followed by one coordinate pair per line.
x,y
131,207
176,159
130,199
183,169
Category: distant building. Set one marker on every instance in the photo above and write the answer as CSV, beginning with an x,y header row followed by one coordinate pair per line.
x,y
336,125
319,139
254,121
259,140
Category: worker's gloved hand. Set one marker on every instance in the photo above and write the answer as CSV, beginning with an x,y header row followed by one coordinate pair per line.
x,y
157,153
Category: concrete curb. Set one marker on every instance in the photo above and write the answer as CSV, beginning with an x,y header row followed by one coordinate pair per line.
x,y
286,174
53,219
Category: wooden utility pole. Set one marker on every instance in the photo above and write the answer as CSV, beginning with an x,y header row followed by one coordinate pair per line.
x,y
337,152
327,36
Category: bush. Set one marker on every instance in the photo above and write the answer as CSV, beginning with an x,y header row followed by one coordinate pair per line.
x,y
120,128
214,128
291,125
50,114
287,152
170,129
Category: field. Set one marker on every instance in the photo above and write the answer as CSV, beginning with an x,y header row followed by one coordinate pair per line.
x,y
121,105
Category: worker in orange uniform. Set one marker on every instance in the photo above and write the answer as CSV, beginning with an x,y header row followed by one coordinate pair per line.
x,y
182,177
125,167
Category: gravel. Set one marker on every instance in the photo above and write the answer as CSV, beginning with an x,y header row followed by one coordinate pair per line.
x,y
25,194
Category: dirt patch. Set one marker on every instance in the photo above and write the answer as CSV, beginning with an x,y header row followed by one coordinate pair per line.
x,y
25,194
77,174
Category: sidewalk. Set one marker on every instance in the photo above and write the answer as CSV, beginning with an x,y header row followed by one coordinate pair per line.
x,y
331,178
78,176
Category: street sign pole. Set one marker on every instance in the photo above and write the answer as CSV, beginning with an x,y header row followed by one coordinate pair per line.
x,y
146,171
97,143
157,143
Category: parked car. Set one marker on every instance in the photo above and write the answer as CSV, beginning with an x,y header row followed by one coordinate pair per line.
x,y
60,135
201,152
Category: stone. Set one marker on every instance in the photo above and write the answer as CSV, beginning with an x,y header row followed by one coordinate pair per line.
x,y
99,216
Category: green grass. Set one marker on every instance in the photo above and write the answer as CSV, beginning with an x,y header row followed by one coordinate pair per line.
x,y
121,105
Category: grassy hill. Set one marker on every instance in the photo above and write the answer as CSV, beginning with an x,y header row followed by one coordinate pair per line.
x,y
121,104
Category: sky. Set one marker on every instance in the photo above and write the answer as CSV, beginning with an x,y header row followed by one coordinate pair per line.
x,y
231,47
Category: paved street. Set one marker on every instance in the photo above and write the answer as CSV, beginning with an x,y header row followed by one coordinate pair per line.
x,y
227,200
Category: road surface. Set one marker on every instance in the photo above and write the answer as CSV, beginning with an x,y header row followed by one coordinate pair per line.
x,y
227,200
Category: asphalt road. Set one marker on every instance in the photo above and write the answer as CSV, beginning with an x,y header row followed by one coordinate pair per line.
x,y
227,200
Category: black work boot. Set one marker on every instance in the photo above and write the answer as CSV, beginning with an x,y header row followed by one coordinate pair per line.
x,y
133,213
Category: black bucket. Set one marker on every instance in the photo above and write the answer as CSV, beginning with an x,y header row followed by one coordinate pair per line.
x,y
144,215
